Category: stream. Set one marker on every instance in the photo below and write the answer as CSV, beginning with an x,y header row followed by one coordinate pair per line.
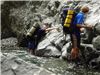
x,y
55,65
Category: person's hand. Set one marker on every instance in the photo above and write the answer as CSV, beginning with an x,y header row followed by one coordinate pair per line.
x,y
82,29
89,26
74,53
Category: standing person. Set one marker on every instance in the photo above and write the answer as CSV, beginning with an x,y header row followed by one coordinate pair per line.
x,y
36,37
64,13
78,25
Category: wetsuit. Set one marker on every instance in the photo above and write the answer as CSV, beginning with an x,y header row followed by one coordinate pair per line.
x,y
35,38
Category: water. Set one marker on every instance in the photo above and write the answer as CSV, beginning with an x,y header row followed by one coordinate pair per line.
x,y
55,65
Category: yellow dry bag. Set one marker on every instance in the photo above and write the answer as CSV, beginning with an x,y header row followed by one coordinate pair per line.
x,y
69,17
31,31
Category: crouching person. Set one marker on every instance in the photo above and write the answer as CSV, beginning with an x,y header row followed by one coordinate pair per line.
x,y
35,35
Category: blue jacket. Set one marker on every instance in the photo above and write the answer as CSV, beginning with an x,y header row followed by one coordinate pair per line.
x,y
79,19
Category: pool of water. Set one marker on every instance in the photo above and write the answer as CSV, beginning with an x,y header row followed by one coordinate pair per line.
x,y
55,65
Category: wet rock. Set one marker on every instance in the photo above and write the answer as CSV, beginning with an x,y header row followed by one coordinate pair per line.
x,y
87,47
43,44
49,38
66,51
88,53
89,35
61,41
96,42
13,65
92,55
9,43
50,51
47,47
52,45
95,63
97,29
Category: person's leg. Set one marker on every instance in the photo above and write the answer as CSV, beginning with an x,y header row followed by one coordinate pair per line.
x,y
75,50
78,41
74,37
36,42
31,47
78,37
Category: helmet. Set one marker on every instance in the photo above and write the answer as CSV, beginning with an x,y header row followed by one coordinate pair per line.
x,y
85,9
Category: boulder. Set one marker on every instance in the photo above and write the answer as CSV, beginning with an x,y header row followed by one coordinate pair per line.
x,y
66,51
9,43
95,63
48,47
97,29
96,42
89,35
88,53
61,41
50,51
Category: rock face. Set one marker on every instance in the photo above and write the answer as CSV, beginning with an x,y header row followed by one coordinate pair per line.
x,y
12,65
6,30
9,43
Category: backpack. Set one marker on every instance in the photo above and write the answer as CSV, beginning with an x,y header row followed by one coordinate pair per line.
x,y
68,16
33,29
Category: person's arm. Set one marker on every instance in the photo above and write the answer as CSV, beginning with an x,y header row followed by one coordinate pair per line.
x,y
80,22
49,29
81,26
84,26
